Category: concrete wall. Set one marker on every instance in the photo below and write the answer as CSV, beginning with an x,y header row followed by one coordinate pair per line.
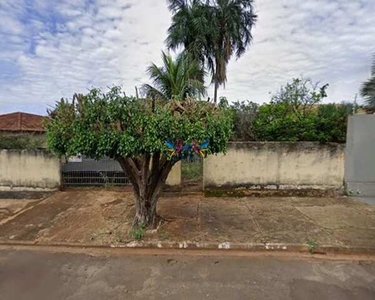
x,y
174,177
360,156
29,170
271,165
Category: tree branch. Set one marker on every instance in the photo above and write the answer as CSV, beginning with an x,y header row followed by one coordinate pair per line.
x,y
146,168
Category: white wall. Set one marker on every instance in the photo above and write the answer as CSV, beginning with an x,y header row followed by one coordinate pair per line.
x,y
272,165
29,170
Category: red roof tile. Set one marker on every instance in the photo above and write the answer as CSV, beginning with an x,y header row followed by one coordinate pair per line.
x,y
20,121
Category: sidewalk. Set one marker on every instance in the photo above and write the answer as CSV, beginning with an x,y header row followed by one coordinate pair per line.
x,y
102,217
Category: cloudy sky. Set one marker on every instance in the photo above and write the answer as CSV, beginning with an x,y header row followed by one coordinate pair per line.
x,y
52,49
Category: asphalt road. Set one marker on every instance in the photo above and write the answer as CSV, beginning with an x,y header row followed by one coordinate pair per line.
x,y
29,274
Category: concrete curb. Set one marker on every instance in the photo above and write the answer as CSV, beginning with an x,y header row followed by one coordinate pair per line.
x,y
226,246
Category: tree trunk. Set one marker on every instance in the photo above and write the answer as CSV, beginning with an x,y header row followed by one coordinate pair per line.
x,y
215,91
145,213
148,182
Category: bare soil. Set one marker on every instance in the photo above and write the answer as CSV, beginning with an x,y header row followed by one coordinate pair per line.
x,y
104,217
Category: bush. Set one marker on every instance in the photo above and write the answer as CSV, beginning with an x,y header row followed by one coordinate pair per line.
x,y
325,123
244,115
294,114
331,122
275,122
20,142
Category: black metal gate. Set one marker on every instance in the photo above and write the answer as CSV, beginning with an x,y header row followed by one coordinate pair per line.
x,y
89,172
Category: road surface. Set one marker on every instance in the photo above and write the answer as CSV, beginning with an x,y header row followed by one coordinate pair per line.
x,y
41,274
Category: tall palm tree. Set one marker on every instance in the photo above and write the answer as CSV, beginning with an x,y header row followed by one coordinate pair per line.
x,y
212,31
190,28
176,79
368,88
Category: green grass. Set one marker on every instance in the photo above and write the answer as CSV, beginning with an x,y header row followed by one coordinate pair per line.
x,y
192,170
138,232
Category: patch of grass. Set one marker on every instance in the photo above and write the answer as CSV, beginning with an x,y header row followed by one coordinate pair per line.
x,y
138,232
192,170
312,245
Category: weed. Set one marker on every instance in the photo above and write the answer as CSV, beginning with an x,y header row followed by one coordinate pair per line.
x,y
312,246
138,232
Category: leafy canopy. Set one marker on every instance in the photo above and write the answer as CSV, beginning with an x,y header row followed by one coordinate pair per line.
x,y
211,32
176,79
295,113
368,88
110,124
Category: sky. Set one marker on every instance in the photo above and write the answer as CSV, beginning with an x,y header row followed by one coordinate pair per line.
x,y
53,49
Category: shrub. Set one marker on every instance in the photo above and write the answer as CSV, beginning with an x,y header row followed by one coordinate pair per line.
x,y
294,114
20,142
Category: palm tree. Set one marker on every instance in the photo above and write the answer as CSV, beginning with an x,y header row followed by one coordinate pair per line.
x,y
211,31
368,88
190,28
176,79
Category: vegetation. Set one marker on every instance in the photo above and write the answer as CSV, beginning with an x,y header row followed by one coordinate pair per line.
x,y
134,132
20,142
244,116
138,232
295,113
192,170
175,79
368,89
211,32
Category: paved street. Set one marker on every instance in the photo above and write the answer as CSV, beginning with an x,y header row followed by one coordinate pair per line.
x,y
30,274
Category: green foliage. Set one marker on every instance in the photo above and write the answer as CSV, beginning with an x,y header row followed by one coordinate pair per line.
x,y
110,124
211,32
331,122
176,79
192,170
20,142
368,89
294,114
138,232
275,122
300,95
312,245
244,115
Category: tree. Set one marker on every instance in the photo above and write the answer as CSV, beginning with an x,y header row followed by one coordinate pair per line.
x,y
244,116
290,115
175,79
211,32
295,113
331,121
300,96
368,88
191,28
134,132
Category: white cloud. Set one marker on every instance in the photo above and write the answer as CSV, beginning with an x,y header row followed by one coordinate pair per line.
x,y
58,48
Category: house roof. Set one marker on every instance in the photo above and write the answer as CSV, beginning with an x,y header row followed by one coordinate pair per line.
x,y
20,121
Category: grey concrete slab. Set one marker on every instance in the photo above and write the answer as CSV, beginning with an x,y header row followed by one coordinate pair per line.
x,y
368,200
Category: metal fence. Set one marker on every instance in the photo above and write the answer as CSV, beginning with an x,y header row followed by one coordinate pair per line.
x,y
89,172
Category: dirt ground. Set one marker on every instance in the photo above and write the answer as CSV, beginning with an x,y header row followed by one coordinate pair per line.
x,y
104,217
